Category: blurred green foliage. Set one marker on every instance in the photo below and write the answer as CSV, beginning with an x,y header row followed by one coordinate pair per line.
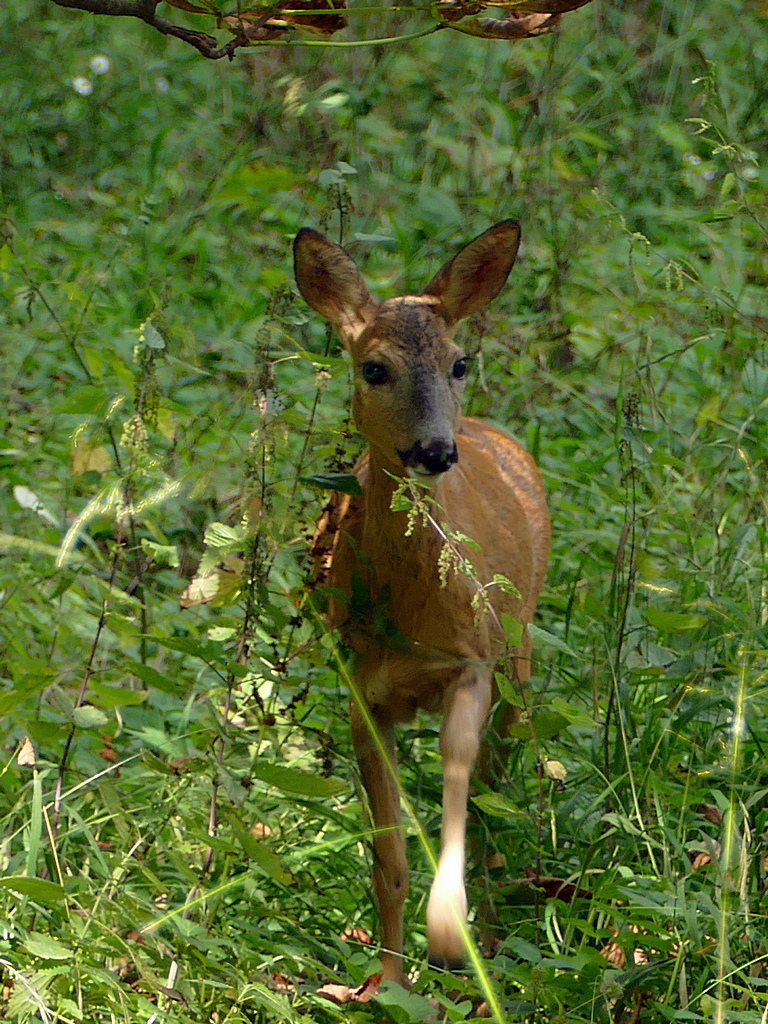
x,y
165,392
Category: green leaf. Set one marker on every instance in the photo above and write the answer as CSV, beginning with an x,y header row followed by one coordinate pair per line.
x,y
544,725
38,889
574,715
47,948
513,630
725,210
155,763
545,637
150,337
675,622
153,678
345,483
12,544
264,858
523,950
497,805
118,696
292,780
219,535
206,651
162,554
89,717
415,1006
17,694
84,400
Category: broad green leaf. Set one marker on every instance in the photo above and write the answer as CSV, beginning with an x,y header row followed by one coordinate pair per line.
x,y
85,400
219,535
675,622
118,696
153,678
47,948
497,805
155,763
345,483
150,337
545,637
11,698
725,210
575,716
592,139
522,949
267,860
710,410
162,554
205,650
292,780
417,1007
544,725
513,630
38,889
89,717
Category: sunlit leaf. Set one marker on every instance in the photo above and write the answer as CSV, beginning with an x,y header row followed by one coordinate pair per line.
x,y
292,780
675,621
38,889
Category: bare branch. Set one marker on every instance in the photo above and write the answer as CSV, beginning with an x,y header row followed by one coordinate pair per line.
x,y
146,11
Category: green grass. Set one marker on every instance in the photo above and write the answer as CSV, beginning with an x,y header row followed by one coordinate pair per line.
x,y
628,352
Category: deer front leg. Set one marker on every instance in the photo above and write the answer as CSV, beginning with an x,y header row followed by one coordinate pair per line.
x,y
466,709
390,867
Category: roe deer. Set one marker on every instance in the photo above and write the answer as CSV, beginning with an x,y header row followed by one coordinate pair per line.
x,y
409,380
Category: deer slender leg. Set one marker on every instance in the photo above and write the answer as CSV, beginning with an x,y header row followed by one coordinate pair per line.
x,y
466,710
390,867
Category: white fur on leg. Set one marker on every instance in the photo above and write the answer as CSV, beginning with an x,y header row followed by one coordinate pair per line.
x,y
447,909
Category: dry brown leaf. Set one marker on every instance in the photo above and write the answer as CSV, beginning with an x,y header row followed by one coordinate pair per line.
x,y
544,6
700,860
356,935
342,994
26,755
614,954
270,23
711,812
283,983
508,26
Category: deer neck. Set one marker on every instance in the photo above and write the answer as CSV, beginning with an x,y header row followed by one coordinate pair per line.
x,y
392,542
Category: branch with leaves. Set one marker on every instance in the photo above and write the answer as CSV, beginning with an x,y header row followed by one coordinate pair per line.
x,y
517,19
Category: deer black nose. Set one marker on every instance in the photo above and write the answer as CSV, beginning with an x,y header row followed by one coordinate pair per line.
x,y
436,457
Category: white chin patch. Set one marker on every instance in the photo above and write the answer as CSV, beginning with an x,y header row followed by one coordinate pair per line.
x,y
422,476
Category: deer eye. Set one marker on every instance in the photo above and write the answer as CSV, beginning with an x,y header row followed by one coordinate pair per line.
x,y
459,369
374,373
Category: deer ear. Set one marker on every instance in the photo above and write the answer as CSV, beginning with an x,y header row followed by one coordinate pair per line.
x,y
331,284
477,273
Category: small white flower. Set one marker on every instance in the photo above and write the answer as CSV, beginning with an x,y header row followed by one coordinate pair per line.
x,y
100,64
82,85
162,85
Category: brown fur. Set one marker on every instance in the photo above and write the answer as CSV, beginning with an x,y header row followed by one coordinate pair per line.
x,y
434,651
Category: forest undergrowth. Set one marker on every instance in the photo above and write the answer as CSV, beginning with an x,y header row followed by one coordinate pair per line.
x,y
183,836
